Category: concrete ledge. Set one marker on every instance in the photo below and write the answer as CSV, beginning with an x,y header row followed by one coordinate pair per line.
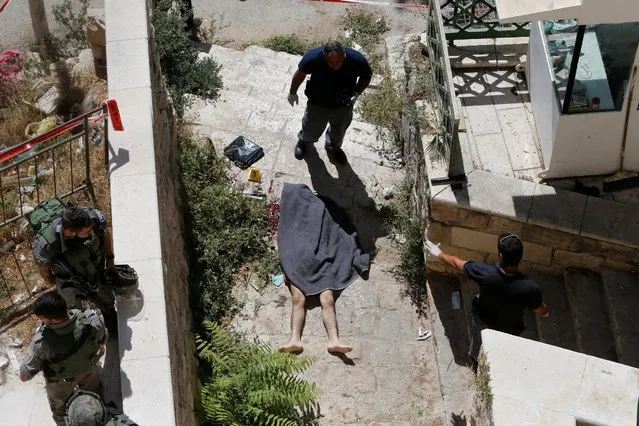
x,y
536,383
156,348
558,227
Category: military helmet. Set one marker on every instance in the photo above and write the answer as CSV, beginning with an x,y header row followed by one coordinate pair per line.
x,y
124,280
85,409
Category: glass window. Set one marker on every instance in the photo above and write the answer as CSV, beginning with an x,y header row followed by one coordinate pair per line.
x,y
605,61
561,36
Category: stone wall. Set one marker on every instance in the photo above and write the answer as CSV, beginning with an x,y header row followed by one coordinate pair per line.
x,y
174,251
156,345
600,237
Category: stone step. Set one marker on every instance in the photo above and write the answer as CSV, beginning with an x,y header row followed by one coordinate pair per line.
x,y
558,328
590,313
622,293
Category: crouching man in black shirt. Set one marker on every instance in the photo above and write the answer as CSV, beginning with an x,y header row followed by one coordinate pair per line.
x,y
504,292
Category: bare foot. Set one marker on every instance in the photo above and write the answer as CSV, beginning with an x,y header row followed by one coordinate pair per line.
x,y
291,347
339,348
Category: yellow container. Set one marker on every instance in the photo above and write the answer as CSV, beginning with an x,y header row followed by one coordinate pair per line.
x,y
255,175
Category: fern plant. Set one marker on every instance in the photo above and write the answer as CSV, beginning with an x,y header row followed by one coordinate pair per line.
x,y
252,385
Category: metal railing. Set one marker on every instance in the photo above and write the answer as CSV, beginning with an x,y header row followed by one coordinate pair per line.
x,y
56,164
472,19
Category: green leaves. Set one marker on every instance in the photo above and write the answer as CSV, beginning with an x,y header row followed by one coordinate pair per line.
x,y
184,71
253,385
230,231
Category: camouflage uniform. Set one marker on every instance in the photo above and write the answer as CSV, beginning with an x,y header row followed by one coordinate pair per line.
x,y
67,354
77,265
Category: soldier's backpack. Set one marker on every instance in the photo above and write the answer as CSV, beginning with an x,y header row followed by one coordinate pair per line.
x,y
45,213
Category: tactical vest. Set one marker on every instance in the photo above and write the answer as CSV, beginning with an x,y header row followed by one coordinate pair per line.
x,y
84,260
75,352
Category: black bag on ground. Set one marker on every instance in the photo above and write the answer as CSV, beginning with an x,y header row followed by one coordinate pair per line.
x,y
243,152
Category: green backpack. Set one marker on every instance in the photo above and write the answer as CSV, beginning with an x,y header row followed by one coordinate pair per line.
x,y
45,213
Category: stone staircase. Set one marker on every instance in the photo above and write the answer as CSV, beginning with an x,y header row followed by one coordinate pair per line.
x,y
592,312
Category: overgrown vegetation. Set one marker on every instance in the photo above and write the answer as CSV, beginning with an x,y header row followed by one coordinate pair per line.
x,y
229,230
383,107
289,43
73,22
185,73
252,385
483,392
408,234
365,28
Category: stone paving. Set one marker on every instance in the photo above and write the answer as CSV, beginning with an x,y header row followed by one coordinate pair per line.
x,y
390,377
500,126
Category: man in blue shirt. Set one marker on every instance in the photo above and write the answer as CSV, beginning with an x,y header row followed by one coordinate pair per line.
x,y
338,76
504,292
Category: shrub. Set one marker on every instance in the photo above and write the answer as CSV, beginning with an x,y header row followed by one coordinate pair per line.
x,y
73,23
383,107
252,385
289,43
184,71
229,230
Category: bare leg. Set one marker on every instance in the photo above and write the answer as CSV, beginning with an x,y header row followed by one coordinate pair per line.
x,y
327,300
298,316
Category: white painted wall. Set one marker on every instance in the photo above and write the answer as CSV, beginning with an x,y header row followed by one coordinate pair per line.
x,y
587,144
542,92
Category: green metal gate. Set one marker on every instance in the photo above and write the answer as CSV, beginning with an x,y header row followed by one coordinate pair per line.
x,y
444,145
471,19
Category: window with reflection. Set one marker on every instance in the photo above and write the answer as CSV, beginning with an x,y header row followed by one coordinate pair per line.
x,y
599,79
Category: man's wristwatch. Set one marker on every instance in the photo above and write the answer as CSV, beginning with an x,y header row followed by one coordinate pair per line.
x,y
109,256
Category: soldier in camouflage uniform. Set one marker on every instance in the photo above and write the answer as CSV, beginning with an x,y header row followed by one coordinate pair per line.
x,y
66,349
72,253
87,409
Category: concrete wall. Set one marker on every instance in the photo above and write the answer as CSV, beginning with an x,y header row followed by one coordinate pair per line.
x,y
587,144
538,384
559,228
156,347
543,96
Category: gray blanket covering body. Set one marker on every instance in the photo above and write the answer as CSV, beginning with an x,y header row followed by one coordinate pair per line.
x,y
317,244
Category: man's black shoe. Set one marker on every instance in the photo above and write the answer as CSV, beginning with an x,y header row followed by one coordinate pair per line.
x,y
300,150
337,155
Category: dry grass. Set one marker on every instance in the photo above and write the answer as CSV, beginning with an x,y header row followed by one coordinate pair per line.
x,y
15,110
70,162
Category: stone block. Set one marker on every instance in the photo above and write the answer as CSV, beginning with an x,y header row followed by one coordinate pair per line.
x,y
611,221
127,20
550,237
148,394
475,240
617,405
608,250
134,150
498,225
129,65
473,219
444,211
577,260
537,253
439,233
507,354
618,265
512,200
134,230
557,209
493,154
463,253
